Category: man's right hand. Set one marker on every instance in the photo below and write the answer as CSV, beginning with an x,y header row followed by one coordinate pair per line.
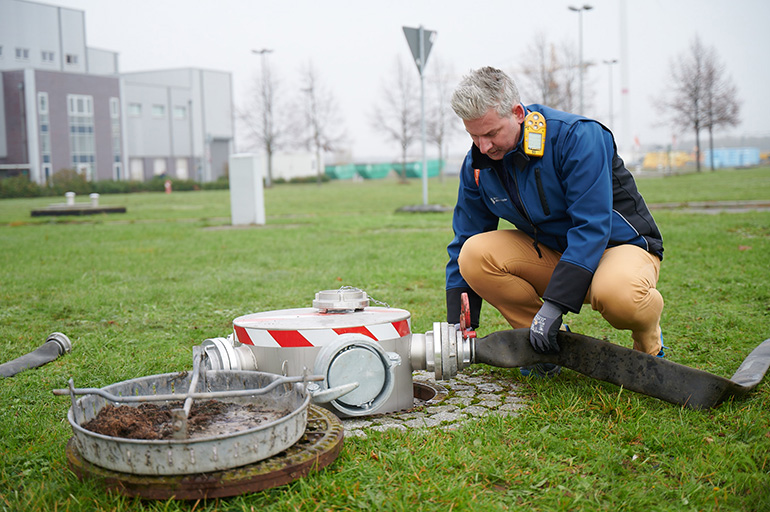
x,y
545,326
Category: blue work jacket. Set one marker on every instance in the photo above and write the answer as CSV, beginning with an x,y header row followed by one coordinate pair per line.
x,y
577,199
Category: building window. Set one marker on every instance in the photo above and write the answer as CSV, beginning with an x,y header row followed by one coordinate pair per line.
x,y
71,58
116,136
136,169
46,56
45,129
86,170
135,109
114,108
159,167
42,102
182,171
158,111
80,109
180,112
22,53
80,105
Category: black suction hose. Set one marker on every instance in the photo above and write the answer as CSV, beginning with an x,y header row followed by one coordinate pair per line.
x,y
56,345
625,367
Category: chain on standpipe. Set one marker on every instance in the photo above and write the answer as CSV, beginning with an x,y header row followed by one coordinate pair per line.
x,y
379,303
348,288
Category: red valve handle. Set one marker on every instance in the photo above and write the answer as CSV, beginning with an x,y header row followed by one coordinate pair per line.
x,y
465,317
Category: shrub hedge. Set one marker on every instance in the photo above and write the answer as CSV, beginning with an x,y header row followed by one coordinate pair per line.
x,y
68,180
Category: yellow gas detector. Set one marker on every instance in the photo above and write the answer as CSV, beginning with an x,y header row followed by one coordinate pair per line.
x,y
534,134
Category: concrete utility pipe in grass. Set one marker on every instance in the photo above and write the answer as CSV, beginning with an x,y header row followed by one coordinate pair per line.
x,y
55,345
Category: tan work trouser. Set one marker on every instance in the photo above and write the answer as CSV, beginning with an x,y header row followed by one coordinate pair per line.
x,y
504,268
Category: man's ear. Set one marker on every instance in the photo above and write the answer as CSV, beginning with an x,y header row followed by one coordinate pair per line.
x,y
518,113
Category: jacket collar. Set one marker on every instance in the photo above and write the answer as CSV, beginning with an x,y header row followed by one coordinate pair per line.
x,y
516,156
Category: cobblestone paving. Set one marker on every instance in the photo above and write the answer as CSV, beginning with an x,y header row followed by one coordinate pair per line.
x,y
462,399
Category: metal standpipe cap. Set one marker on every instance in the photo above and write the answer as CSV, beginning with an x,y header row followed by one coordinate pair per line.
x,y
354,358
341,301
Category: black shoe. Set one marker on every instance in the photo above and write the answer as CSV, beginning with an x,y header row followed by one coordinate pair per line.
x,y
541,370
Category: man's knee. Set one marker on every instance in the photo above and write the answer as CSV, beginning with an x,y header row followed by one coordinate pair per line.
x,y
613,297
627,303
626,279
471,254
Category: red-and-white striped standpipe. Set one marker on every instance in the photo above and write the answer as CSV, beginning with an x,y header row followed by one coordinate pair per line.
x,y
347,341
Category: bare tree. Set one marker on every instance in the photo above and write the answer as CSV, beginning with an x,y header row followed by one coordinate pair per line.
x,y
569,78
540,68
260,117
686,94
551,73
398,116
721,105
321,129
700,96
438,124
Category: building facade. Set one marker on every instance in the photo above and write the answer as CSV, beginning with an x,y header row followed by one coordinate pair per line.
x,y
66,106
179,123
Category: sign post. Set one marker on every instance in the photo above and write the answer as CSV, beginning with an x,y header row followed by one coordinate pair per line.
x,y
420,42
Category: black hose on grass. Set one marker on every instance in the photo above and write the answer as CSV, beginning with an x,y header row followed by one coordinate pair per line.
x,y
56,345
631,369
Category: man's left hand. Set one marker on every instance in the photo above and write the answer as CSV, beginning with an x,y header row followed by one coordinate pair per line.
x,y
544,328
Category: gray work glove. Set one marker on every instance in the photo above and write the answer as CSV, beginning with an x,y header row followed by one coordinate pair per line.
x,y
545,326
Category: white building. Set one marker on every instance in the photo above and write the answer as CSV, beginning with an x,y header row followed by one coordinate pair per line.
x,y
288,166
66,106
179,123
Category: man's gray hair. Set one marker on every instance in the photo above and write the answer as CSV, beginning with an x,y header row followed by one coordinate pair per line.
x,y
483,89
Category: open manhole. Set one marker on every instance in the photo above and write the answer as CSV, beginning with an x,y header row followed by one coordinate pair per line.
x,y
428,393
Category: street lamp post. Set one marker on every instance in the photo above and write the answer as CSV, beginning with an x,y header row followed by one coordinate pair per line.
x,y
580,10
609,72
266,110
263,52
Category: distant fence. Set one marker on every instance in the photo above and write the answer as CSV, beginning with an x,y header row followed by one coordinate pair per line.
x,y
732,157
381,170
723,157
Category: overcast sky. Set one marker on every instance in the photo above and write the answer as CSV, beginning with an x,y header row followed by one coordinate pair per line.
x,y
355,43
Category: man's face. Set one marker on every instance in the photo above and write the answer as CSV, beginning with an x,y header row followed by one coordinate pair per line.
x,y
494,135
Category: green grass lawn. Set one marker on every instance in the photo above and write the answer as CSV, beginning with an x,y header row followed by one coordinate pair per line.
x,y
136,291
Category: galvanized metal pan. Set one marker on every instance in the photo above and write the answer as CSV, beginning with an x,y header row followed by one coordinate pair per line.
x,y
220,451
642,373
318,447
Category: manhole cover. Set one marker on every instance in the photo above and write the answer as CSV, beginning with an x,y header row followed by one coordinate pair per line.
x,y
318,447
